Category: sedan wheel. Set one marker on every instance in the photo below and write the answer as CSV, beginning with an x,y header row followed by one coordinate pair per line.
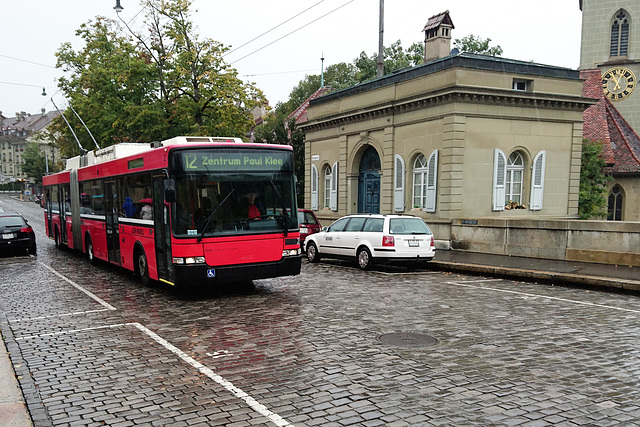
x,y
365,262
312,252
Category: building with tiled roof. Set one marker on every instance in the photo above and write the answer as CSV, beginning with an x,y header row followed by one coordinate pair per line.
x,y
15,133
300,113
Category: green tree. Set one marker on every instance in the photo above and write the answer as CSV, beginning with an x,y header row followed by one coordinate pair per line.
x,y
34,162
151,86
278,129
475,44
592,201
395,58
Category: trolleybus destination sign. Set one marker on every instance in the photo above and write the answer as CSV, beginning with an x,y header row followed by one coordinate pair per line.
x,y
193,161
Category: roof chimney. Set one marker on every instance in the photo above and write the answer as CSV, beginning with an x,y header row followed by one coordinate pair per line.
x,y
437,36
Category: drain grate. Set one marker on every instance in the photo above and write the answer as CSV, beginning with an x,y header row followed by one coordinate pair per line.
x,y
408,339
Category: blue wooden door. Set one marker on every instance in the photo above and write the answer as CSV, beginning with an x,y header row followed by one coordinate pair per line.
x,y
369,182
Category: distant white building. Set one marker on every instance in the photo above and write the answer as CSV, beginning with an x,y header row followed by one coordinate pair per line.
x,y
15,133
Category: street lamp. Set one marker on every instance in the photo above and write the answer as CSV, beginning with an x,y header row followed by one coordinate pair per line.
x,y
117,7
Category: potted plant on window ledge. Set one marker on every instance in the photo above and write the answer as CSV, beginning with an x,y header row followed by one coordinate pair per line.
x,y
514,205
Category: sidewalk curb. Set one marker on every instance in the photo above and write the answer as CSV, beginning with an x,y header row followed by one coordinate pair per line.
x,y
542,276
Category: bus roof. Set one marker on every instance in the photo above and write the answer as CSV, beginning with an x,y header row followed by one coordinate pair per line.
x,y
142,156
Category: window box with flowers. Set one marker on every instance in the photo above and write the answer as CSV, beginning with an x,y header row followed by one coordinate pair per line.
x,y
514,205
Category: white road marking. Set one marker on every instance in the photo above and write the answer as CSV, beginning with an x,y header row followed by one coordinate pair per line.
x,y
71,331
80,288
528,295
237,392
75,313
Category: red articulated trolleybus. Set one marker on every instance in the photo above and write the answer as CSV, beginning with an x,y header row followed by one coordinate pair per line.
x,y
188,210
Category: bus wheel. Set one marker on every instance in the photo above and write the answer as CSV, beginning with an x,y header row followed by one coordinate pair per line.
x,y
92,257
143,268
56,238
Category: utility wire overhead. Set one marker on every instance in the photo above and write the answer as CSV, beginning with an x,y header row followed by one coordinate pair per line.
x,y
268,31
294,31
29,62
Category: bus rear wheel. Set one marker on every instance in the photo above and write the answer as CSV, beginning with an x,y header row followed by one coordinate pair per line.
x,y
90,254
142,268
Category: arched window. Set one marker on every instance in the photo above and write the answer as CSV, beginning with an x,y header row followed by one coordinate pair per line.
x,y
425,181
616,199
619,35
419,181
515,172
327,186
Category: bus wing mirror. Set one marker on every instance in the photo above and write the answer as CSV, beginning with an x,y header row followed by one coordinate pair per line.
x,y
169,190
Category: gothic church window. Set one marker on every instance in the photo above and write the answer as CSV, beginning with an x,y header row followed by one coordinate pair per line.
x,y
616,199
620,35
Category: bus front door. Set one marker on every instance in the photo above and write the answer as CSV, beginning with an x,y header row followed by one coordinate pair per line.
x,y
162,231
112,207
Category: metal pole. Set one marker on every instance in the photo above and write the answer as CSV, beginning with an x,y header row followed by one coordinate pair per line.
x,y
380,42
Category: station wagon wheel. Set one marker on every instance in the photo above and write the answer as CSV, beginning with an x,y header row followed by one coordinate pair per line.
x,y
364,259
312,252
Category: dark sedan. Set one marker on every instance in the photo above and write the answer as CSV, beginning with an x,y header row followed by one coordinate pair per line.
x,y
16,234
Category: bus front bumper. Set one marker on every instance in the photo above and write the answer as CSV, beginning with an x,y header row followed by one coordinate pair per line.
x,y
205,275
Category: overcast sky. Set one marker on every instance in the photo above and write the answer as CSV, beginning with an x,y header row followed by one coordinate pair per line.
x,y
544,31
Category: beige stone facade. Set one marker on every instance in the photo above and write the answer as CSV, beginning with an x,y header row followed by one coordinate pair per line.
x,y
466,116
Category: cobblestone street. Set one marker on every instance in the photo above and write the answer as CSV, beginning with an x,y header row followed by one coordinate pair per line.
x,y
92,346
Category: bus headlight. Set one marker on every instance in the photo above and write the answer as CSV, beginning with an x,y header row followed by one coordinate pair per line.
x,y
291,252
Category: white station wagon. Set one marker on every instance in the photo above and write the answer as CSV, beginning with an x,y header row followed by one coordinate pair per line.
x,y
370,238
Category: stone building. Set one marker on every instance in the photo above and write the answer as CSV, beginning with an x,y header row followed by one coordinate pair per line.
x,y
610,66
15,133
460,136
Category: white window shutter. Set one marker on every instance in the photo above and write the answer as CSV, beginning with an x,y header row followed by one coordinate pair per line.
x,y
398,184
499,179
537,181
314,188
334,187
432,182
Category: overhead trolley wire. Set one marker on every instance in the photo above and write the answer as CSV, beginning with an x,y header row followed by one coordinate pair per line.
x,y
294,31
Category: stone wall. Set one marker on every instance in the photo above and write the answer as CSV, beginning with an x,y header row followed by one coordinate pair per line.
x,y
605,242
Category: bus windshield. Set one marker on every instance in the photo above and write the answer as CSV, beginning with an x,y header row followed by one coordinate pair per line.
x,y
226,192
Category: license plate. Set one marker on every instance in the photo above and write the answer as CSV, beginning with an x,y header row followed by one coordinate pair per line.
x,y
413,243
8,236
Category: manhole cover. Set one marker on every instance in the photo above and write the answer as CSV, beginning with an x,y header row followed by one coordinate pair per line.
x,y
408,339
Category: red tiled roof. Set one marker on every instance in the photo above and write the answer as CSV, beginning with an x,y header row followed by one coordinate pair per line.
x,y
604,123
300,113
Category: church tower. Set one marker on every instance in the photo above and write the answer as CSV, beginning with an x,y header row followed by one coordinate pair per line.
x,y
611,43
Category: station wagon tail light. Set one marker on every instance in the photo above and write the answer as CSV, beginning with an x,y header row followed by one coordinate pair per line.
x,y
388,241
433,242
